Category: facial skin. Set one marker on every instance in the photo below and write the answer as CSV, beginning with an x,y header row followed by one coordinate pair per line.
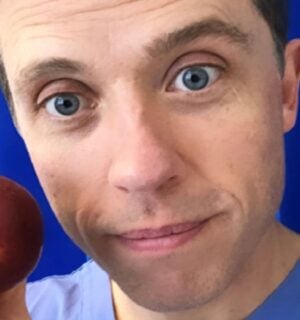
x,y
144,152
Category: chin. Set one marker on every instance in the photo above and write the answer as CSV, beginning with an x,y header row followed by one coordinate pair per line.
x,y
177,290
181,296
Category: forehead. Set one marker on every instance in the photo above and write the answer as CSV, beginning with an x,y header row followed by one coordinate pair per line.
x,y
38,18
37,29
66,8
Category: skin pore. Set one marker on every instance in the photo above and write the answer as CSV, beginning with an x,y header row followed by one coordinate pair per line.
x,y
144,152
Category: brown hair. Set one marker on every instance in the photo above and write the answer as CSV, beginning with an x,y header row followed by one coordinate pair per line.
x,y
275,13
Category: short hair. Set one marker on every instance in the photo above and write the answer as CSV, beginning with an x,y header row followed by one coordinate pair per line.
x,y
274,12
4,86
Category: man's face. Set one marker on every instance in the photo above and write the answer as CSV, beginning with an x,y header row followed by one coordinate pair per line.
x,y
145,114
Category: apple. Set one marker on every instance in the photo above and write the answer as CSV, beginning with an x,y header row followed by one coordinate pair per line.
x,y
21,233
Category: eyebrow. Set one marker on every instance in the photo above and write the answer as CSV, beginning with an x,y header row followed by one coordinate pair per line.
x,y
37,70
208,27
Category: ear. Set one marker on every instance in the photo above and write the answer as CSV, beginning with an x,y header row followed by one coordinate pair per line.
x,y
290,84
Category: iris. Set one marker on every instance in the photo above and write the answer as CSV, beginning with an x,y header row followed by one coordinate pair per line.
x,y
67,104
195,78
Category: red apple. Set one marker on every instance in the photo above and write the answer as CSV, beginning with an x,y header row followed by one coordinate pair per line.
x,y
21,233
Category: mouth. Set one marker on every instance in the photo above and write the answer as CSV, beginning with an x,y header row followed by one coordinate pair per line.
x,y
163,239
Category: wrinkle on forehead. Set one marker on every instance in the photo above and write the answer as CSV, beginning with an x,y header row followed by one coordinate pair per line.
x,y
58,11
77,15
62,27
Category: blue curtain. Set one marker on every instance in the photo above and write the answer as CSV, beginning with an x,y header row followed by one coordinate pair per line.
x,y
60,255
290,209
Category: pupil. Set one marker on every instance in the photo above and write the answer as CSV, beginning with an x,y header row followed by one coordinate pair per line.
x,y
68,104
195,78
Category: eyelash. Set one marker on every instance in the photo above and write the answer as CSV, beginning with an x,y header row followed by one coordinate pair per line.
x,y
208,68
170,88
90,104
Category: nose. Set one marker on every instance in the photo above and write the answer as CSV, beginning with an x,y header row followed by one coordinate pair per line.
x,y
145,162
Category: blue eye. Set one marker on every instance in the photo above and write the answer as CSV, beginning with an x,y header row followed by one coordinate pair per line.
x,y
65,104
196,78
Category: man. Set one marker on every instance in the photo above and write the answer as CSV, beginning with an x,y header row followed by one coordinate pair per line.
x,y
156,130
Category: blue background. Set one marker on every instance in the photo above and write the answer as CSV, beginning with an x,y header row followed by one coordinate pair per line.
x,y
60,255
290,209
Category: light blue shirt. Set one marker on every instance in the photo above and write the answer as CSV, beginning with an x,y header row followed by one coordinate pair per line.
x,y
85,294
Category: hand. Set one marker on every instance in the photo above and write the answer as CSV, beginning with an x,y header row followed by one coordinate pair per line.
x,y
12,304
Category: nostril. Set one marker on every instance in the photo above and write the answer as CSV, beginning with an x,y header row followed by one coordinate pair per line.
x,y
170,183
122,188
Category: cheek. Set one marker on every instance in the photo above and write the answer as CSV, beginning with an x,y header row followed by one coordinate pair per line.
x,y
254,167
74,192
256,159
240,148
72,178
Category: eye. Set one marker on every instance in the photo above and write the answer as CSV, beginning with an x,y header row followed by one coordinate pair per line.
x,y
65,104
195,78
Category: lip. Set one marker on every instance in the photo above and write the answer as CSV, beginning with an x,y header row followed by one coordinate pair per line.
x,y
163,239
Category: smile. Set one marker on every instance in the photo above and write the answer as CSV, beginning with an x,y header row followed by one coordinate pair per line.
x,y
162,239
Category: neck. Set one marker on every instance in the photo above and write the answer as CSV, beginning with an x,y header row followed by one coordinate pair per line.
x,y
274,257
